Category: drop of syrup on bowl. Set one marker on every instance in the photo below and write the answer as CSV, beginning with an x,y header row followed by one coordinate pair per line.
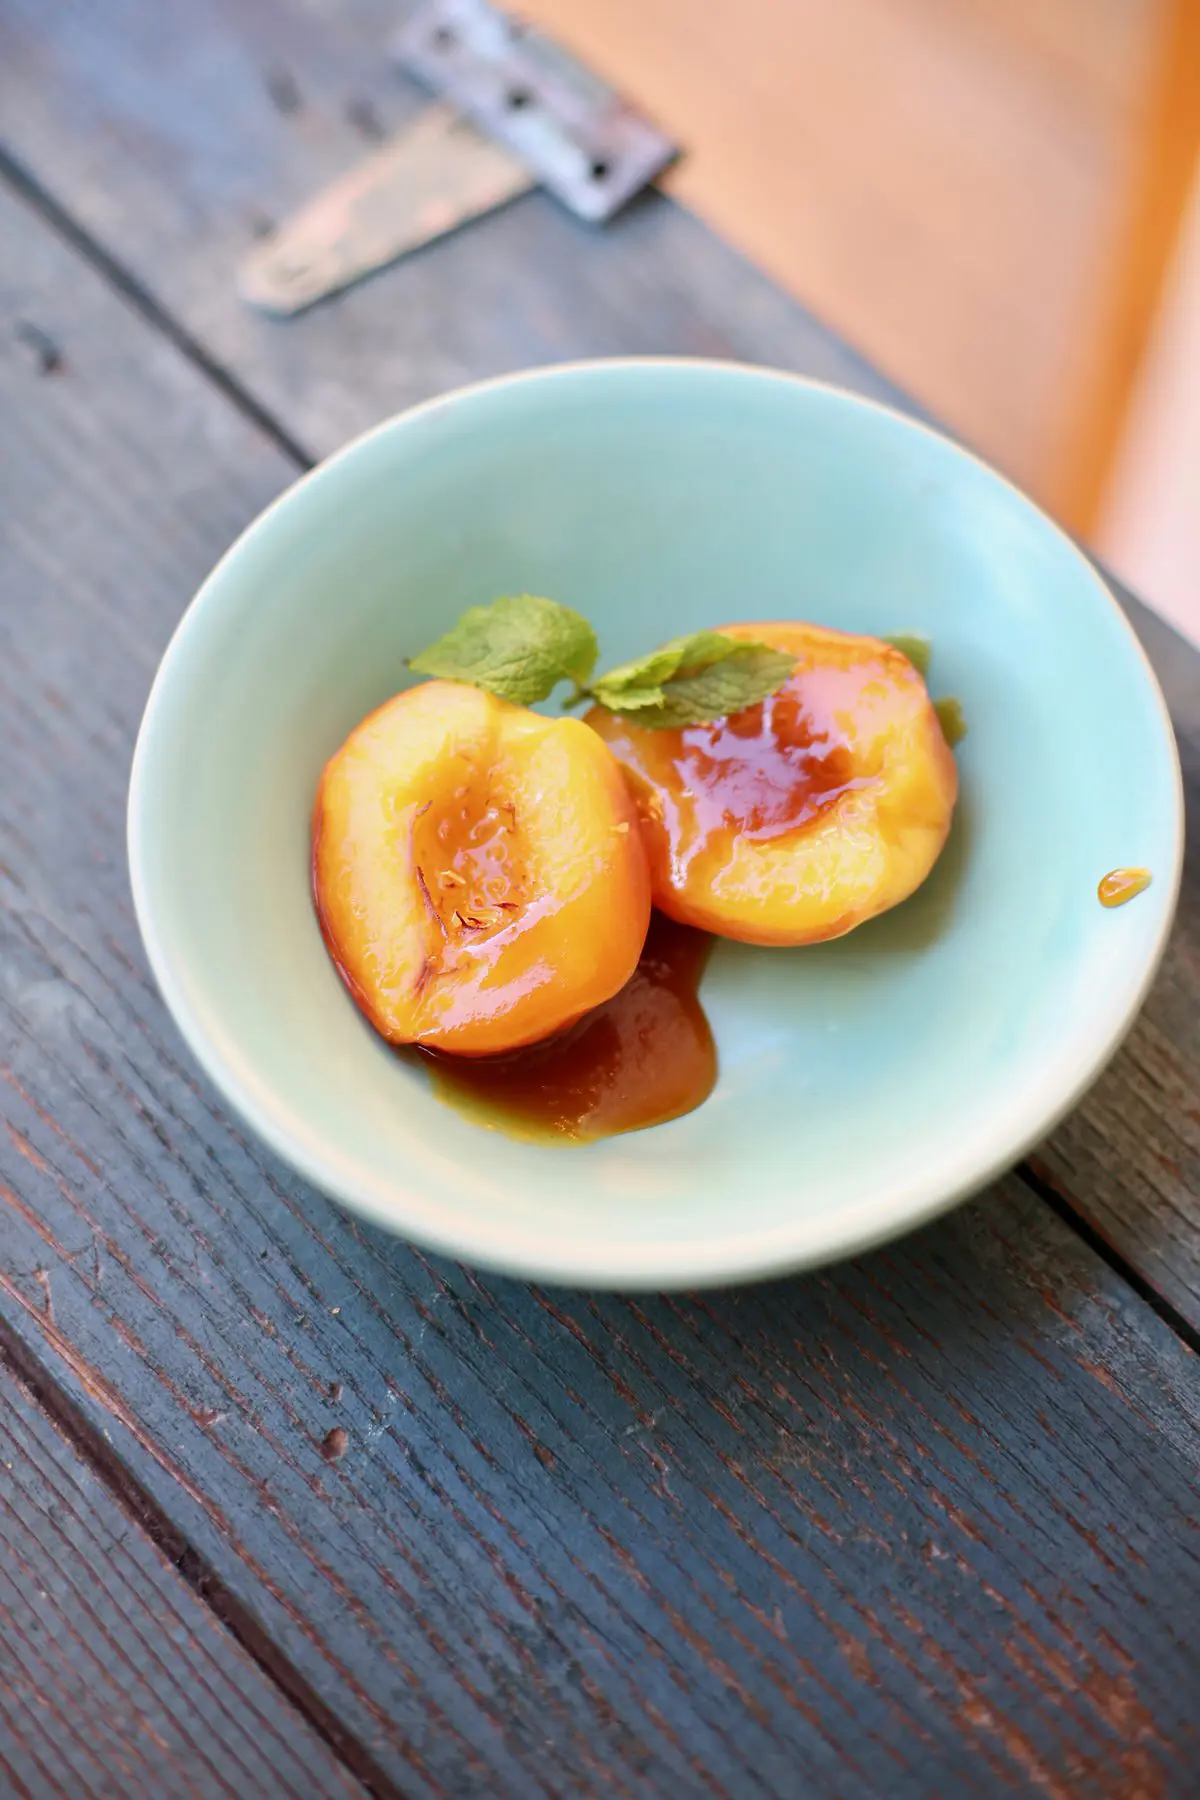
x,y
645,1056
1120,885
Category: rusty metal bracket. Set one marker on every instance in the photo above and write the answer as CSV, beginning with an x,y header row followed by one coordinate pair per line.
x,y
514,111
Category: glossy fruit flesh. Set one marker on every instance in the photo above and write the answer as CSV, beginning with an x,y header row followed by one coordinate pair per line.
x,y
478,872
801,817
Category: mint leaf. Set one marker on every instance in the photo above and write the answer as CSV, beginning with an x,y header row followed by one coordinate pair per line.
x,y
952,719
520,647
693,679
917,649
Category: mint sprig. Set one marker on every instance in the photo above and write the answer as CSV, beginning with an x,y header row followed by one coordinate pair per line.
x,y
519,647
522,646
693,679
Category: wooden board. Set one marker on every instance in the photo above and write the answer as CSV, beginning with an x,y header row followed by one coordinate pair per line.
x,y
116,1683
924,1523
1128,1160
171,134
174,133
933,178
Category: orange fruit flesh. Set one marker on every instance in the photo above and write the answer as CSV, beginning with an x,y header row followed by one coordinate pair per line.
x,y
799,818
478,872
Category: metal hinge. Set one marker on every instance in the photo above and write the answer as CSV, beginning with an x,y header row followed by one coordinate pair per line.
x,y
514,112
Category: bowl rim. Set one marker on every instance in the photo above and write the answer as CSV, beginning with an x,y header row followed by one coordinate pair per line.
x,y
639,1266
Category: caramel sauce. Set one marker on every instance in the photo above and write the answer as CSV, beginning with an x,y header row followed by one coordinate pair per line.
x,y
771,769
1120,885
645,1056
762,774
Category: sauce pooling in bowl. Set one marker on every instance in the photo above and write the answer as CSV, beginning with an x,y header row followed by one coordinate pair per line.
x,y
645,1056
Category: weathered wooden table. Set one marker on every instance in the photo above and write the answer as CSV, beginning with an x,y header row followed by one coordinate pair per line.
x,y
924,1524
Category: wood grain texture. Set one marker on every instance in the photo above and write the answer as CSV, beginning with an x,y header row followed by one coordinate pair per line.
x,y
173,132
161,129
116,1683
923,1524
932,175
1128,1160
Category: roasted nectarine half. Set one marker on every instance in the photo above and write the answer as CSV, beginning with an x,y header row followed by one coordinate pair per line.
x,y
803,816
479,875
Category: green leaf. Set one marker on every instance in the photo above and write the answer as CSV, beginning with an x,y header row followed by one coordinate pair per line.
x,y
520,647
952,719
693,679
917,649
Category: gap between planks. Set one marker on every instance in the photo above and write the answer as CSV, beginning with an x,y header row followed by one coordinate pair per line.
x,y
147,1516
147,307
1040,1182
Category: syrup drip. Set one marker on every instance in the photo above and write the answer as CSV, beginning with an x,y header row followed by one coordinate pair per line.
x,y
1122,885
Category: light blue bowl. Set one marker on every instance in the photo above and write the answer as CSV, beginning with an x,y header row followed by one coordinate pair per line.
x,y
865,1085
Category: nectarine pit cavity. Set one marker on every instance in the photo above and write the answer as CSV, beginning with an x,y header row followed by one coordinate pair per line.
x,y
470,861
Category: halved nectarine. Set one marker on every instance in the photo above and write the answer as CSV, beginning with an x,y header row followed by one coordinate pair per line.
x,y
478,871
803,816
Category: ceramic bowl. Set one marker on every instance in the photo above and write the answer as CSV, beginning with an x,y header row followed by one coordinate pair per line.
x,y
865,1085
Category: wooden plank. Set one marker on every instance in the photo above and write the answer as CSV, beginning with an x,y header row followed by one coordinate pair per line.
x,y
955,239
116,1683
924,1523
172,133
175,133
